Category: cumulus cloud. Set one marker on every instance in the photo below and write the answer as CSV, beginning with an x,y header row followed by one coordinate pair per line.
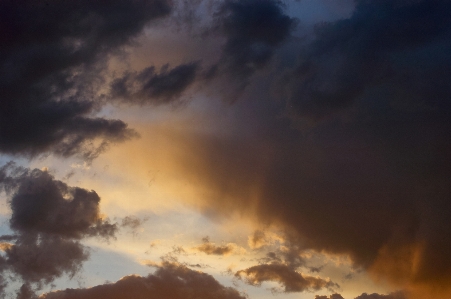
x,y
53,56
291,280
170,281
49,218
41,204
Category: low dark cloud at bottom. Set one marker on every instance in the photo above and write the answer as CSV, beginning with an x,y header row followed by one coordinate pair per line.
x,y
170,281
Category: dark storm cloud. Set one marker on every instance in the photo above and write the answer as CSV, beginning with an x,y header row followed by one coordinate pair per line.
x,y
291,280
171,281
372,178
49,218
52,57
152,88
398,46
253,30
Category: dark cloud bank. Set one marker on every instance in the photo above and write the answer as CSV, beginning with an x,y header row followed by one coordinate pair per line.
x,y
53,56
362,167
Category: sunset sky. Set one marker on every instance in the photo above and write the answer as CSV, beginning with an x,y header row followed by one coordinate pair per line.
x,y
227,149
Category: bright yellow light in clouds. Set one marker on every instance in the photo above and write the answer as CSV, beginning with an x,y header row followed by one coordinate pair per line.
x,y
164,168
144,174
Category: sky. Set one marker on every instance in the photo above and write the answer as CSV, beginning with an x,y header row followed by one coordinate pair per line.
x,y
225,149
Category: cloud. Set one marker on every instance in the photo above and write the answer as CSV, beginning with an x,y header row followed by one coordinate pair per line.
x,y
53,57
5,246
26,292
270,258
170,281
383,45
213,249
132,222
43,258
291,280
258,240
395,295
152,88
362,166
333,296
253,30
41,204
49,218
8,238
